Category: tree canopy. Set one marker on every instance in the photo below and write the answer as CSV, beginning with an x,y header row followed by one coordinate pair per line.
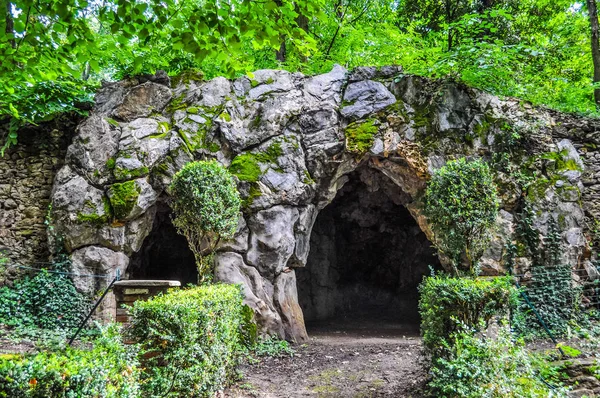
x,y
55,52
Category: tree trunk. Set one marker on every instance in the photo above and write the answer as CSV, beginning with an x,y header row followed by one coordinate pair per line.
x,y
8,20
593,11
280,54
302,22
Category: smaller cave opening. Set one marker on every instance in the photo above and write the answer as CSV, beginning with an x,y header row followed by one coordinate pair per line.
x,y
367,257
165,254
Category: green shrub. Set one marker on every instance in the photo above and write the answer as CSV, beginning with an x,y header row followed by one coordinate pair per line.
x,y
271,346
47,300
446,304
192,339
109,369
461,203
206,204
476,367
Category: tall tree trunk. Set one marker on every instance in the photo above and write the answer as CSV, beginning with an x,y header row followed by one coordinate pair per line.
x,y
593,11
449,22
302,22
8,21
280,54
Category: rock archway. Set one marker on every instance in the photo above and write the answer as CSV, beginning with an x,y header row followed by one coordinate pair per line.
x,y
164,253
367,256
293,142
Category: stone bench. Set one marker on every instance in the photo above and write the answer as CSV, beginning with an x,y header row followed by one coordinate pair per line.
x,y
128,292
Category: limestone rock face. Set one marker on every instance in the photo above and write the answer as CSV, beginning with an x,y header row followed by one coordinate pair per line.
x,y
141,101
366,97
291,142
95,143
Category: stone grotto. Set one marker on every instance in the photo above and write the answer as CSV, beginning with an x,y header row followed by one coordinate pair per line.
x,y
331,168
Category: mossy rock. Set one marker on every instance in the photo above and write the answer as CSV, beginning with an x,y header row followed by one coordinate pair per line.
x,y
247,166
94,218
123,198
126,174
360,136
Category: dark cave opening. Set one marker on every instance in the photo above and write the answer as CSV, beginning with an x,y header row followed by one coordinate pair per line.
x,y
165,253
367,257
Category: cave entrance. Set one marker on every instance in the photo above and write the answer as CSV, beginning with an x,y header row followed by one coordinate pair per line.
x,y
367,258
165,254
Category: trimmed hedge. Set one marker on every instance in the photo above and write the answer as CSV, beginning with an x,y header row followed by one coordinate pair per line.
x,y
449,304
192,339
107,370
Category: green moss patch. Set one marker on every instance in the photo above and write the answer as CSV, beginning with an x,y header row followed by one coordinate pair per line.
x,y
360,136
225,116
246,166
199,140
123,197
110,163
253,193
94,218
126,174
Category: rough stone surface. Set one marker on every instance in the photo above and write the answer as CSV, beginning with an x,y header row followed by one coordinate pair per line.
x,y
26,176
293,131
92,262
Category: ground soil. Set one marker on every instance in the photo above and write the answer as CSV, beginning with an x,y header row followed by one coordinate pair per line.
x,y
341,361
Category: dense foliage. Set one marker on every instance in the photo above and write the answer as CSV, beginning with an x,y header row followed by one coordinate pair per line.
x,y
447,305
461,204
475,366
70,41
466,360
193,339
109,369
538,50
206,204
46,300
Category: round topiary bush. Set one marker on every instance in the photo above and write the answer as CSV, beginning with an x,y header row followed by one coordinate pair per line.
x,y
461,203
206,204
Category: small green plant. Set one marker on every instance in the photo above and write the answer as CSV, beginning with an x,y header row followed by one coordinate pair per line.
x,y
271,346
193,339
206,204
448,304
461,203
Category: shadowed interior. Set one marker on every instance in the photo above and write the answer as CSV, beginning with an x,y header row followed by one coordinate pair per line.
x,y
367,257
165,253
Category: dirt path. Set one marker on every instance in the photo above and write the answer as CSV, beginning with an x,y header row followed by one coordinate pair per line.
x,y
348,363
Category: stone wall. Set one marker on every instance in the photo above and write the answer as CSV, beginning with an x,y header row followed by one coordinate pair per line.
x,y
26,177
292,140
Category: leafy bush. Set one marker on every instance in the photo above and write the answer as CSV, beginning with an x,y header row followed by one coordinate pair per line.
x,y
447,304
271,346
47,300
109,369
192,339
461,203
476,367
207,204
